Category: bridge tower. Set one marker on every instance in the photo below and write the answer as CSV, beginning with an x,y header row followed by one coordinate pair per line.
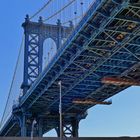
x,y
35,35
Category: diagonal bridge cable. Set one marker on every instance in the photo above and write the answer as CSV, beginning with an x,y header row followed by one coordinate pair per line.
x,y
59,11
14,75
41,9
4,116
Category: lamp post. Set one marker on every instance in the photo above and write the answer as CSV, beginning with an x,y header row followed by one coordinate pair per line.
x,y
32,131
60,108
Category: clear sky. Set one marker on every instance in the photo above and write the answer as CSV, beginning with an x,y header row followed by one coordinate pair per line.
x,y
122,118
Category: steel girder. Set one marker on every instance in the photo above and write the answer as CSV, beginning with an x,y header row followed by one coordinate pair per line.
x,y
104,44
35,35
83,60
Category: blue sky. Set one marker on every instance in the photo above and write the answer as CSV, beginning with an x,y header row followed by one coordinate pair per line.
x,y
122,118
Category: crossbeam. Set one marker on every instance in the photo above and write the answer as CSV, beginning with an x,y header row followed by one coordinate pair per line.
x,y
91,101
120,81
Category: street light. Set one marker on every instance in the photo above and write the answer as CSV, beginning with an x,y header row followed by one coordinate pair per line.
x,y
60,108
32,131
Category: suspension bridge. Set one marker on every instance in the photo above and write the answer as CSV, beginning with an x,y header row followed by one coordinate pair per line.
x,y
92,47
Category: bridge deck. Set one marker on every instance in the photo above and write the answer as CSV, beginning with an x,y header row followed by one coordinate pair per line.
x,y
105,43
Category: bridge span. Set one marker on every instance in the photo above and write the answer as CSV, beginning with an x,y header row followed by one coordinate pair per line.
x,y
105,43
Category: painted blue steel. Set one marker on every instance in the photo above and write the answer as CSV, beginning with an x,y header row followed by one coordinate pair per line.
x,y
60,52
35,34
94,50
78,79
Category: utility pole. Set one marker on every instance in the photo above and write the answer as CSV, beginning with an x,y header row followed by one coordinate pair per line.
x,y
60,108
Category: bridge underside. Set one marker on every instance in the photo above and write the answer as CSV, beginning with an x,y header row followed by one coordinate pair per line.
x,y
105,43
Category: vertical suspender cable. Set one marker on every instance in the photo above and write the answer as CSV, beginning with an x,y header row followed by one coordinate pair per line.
x,y
82,10
75,12
59,11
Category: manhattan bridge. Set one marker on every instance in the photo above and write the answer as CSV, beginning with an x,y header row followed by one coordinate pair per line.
x,y
91,47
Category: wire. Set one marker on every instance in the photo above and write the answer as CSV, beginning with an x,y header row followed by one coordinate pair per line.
x,y
81,3
17,63
41,9
75,13
72,19
80,16
59,11
35,14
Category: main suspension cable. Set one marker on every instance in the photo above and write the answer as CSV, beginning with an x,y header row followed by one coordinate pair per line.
x,y
41,9
17,63
59,11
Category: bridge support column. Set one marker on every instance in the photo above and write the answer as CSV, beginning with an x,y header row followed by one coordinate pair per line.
x,y
23,126
28,126
69,130
40,127
75,128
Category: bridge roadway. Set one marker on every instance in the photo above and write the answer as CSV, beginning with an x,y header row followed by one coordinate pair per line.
x,y
106,42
